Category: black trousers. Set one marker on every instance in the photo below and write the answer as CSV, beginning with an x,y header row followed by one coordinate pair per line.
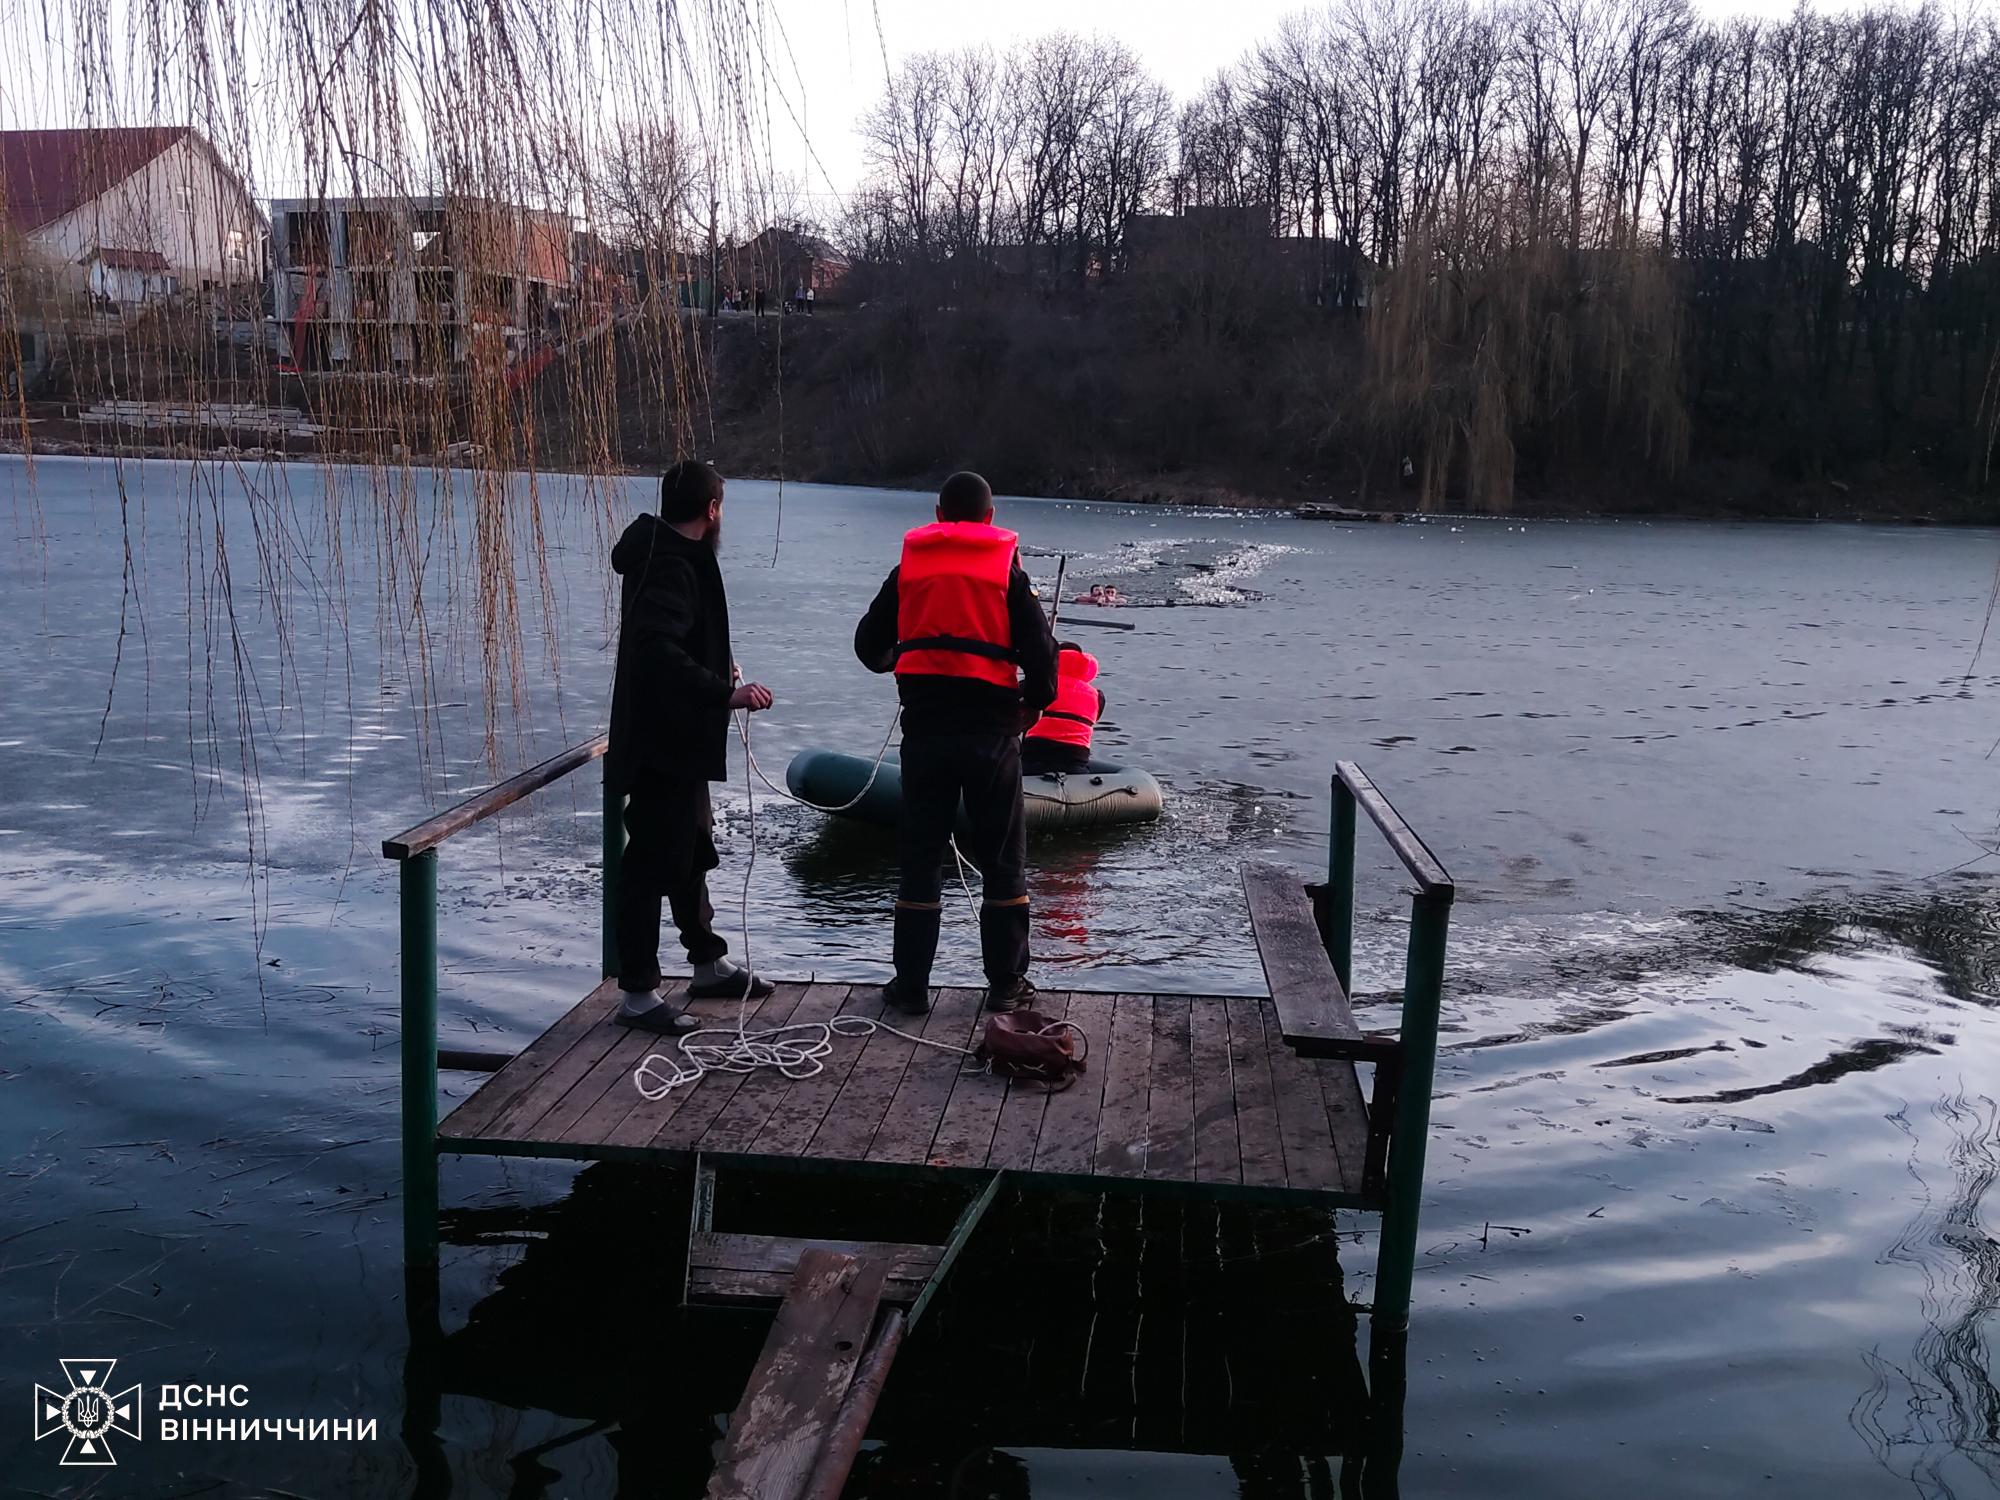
x,y
983,770
1039,755
671,828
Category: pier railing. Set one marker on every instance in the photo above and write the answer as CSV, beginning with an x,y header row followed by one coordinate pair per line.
x,y
416,850
1399,1118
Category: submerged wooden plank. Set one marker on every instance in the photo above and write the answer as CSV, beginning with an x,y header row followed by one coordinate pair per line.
x,y
814,1345
1312,1008
910,1123
1263,1154
727,1285
1217,1153
1019,1120
1310,1159
1121,1125
761,1266
472,1117
1068,1139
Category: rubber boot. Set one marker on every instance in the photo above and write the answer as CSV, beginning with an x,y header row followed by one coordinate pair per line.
x,y
913,950
1003,943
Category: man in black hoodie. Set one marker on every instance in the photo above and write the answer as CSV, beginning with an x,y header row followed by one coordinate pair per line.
x,y
670,704
959,625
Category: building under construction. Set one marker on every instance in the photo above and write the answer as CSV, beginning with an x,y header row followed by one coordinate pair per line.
x,y
415,284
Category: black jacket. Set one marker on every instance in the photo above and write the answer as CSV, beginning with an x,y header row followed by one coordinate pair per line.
x,y
936,704
670,704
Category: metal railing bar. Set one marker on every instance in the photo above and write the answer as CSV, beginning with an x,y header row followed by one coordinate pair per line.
x,y
1416,857
434,831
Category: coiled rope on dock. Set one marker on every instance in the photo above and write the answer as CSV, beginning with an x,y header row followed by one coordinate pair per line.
x,y
798,1050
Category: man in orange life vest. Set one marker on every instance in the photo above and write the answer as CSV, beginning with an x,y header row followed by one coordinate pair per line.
x,y
1060,741
961,628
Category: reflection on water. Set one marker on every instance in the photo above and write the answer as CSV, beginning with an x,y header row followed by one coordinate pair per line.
x,y
1934,1417
1072,1326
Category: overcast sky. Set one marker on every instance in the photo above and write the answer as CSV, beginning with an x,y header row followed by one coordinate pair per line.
x,y
838,52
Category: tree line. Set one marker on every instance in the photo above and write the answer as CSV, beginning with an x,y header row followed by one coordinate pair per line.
x,y
1577,222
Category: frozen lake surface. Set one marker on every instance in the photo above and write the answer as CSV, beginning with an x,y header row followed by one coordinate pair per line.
x,y
1715,1113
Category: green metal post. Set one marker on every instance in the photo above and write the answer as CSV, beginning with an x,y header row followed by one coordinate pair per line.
x,y
420,1060
614,852
1423,987
1340,884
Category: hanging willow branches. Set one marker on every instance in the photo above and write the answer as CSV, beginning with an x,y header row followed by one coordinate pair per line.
x,y
439,247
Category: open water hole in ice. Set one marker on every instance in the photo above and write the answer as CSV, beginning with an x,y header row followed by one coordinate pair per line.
x,y
1715,1114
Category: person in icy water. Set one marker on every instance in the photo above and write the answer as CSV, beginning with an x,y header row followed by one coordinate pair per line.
x,y
674,689
1060,739
959,625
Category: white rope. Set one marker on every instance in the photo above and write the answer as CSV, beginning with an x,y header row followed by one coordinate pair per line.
x,y
750,760
743,729
799,1050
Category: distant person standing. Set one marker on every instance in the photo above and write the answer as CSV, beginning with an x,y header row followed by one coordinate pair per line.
x,y
1060,740
760,301
670,704
958,623
809,300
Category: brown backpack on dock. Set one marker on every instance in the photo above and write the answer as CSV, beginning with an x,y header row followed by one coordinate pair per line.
x,y
1029,1046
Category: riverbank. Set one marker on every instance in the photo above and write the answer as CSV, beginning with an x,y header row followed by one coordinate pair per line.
x,y
1737,494
1096,405
1092,407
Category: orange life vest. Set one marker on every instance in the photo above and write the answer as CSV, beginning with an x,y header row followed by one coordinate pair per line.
x,y
1071,718
951,603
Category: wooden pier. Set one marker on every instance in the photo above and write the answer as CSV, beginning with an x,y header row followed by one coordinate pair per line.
x,y
1179,1093
1241,1098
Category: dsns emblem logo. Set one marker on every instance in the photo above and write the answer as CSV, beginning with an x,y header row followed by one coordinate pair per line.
x,y
88,1411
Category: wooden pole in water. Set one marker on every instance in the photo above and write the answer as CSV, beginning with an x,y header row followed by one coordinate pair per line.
x,y
1423,989
420,1171
614,853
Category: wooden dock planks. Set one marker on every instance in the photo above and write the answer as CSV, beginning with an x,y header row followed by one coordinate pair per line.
x,y
911,1121
1217,1144
999,1128
1121,1123
1192,1092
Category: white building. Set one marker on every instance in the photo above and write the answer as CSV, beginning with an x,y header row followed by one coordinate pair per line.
x,y
140,213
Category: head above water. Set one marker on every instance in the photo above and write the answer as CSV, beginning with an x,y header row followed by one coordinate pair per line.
x,y
691,500
965,497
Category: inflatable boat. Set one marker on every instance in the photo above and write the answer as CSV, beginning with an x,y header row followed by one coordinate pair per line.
x,y
1099,795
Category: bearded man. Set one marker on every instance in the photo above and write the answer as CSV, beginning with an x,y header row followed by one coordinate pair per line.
x,y
675,688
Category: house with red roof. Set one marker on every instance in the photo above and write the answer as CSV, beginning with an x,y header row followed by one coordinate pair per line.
x,y
137,213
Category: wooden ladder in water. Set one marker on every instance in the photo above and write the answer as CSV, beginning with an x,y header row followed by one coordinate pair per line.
x,y
795,1432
